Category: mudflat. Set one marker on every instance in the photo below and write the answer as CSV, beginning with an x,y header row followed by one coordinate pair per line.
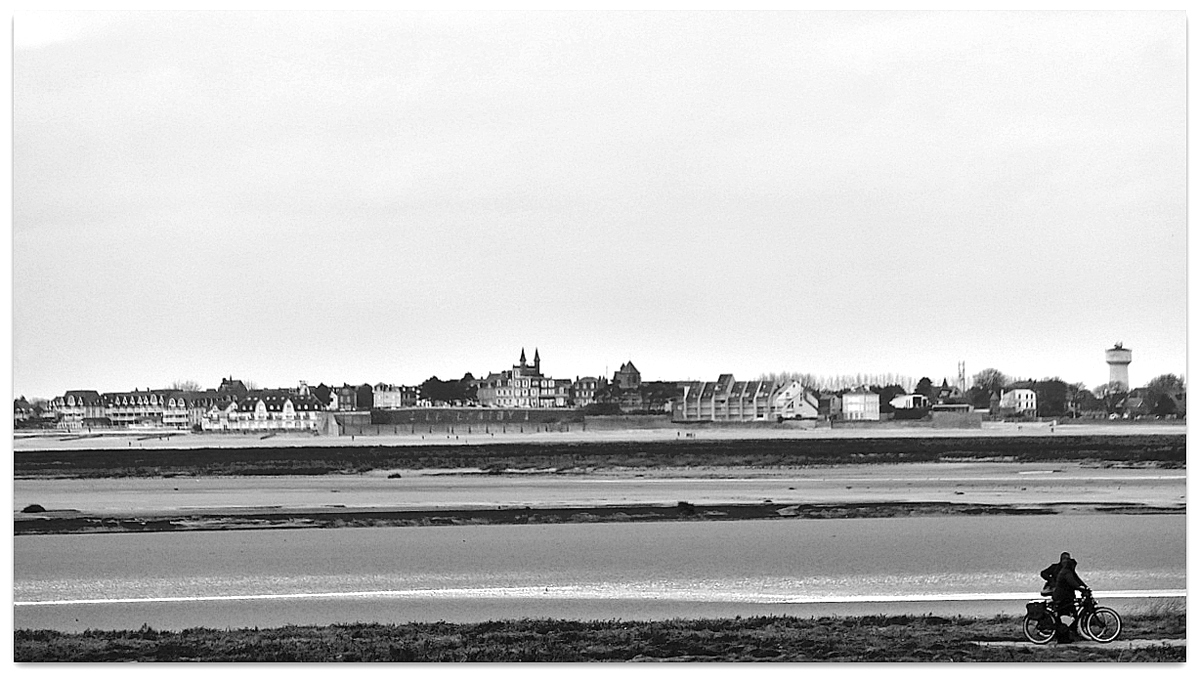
x,y
163,485
573,433
423,497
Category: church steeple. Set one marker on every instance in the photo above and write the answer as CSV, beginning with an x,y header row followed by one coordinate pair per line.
x,y
537,362
522,357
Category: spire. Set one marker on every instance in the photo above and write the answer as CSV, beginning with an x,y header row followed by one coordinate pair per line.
x,y
522,356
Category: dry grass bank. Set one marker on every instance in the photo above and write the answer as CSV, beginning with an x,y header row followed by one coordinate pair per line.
x,y
866,638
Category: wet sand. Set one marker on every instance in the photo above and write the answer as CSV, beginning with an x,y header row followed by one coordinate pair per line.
x,y
576,433
433,497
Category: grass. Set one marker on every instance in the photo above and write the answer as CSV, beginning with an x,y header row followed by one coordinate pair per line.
x,y
768,638
1162,450
1153,610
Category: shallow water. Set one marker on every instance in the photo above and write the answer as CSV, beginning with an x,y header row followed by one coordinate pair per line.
x,y
273,577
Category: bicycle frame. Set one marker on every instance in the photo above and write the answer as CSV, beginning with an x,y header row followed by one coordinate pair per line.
x,y
1047,619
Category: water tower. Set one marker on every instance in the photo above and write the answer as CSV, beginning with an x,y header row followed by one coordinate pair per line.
x,y
1118,359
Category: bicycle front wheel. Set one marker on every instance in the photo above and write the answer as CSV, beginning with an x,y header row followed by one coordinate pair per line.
x,y
1038,632
1102,625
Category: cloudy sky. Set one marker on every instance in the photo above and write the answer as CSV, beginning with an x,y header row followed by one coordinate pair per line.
x,y
346,197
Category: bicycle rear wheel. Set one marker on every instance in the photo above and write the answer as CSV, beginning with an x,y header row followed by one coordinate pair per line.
x,y
1036,631
1102,625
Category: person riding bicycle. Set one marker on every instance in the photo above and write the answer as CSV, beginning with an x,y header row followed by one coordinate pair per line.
x,y
1048,575
1066,582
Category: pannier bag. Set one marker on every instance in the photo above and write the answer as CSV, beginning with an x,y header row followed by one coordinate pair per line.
x,y
1036,610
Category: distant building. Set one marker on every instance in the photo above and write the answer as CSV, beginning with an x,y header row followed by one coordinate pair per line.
x,y
658,396
628,377
791,401
189,409
142,409
523,386
1018,402
910,401
554,393
22,410
829,406
355,397
1118,359
163,408
583,391
948,394
80,408
149,408
326,395
729,400
387,396
629,394
221,416
1144,403
860,405
267,410
234,389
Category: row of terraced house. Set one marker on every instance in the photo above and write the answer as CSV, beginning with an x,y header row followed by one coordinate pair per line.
x,y
234,407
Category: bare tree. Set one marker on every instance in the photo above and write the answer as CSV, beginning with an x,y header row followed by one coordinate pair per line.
x,y
990,381
187,386
1111,393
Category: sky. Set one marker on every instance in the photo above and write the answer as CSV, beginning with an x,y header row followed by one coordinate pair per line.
x,y
384,197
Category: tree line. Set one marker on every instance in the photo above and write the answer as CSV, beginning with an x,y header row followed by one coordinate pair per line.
x,y
1056,397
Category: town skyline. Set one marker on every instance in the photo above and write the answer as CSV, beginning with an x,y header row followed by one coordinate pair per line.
x,y
844,379
392,196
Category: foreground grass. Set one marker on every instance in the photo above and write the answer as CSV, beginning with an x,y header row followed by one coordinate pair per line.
x,y
773,638
1160,450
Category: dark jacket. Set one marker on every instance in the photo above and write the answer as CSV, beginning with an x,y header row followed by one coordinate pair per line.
x,y
1050,572
1066,581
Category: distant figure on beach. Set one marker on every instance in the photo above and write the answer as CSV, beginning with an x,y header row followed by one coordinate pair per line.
x,y
1065,582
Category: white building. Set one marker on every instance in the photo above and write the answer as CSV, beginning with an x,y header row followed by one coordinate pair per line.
x,y
1019,401
79,408
583,391
523,386
861,405
908,401
791,401
267,410
387,396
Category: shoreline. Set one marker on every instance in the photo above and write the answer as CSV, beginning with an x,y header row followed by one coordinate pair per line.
x,y
498,457
449,435
59,522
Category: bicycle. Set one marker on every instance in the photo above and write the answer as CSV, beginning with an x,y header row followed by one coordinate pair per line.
x,y
1100,624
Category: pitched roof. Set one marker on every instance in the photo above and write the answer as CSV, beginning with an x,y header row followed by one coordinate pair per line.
x,y
86,397
275,400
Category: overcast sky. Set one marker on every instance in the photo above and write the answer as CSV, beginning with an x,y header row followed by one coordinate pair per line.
x,y
346,197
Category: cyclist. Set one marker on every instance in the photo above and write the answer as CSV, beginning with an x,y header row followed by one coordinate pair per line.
x,y
1066,582
1049,573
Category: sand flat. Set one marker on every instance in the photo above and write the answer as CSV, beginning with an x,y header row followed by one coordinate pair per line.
x,y
576,433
